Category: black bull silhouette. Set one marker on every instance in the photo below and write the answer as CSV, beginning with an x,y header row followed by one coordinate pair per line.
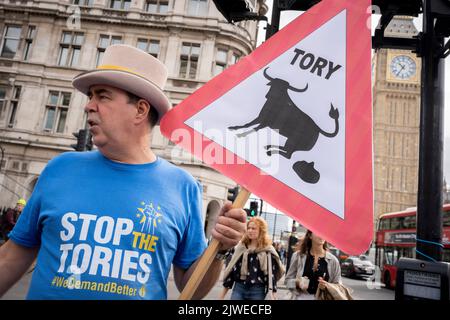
x,y
280,113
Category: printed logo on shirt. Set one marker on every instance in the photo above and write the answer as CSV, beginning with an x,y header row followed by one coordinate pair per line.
x,y
110,249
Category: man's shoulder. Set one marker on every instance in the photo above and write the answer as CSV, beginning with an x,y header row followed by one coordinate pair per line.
x,y
177,173
65,159
73,156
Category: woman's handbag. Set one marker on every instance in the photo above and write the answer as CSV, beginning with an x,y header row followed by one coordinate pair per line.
x,y
334,291
269,295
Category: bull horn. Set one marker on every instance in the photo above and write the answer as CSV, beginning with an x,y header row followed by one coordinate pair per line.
x,y
298,90
266,75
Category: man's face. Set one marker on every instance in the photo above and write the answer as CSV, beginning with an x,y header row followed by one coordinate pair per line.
x,y
110,116
19,207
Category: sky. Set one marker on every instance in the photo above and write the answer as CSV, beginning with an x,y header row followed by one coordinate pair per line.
x,y
288,16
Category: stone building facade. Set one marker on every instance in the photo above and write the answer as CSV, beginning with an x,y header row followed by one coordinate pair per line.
x,y
44,44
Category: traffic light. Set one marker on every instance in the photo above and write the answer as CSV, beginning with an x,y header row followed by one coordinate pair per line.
x,y
232,193
84,141
253,208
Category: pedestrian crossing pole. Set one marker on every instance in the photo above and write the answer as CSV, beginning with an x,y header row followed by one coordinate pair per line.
x,y
429,200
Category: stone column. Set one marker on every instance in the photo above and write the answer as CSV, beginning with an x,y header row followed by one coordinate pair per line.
x,y
179,6
206,58
89,49
172,52
136,7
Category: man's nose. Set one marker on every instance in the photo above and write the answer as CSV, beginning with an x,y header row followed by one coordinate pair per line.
x,y
90,106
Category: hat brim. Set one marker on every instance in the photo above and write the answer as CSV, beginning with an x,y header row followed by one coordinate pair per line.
x,y
135,84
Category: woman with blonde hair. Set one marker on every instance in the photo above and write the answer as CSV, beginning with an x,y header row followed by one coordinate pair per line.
x,y
248,269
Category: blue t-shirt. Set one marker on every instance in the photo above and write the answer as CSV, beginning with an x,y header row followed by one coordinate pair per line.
x,y
109,230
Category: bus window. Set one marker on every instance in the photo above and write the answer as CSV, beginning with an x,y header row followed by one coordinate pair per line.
x,y
446,218
379,254
407,252
391,256
385,224
388,256
446,255
395,223
409,222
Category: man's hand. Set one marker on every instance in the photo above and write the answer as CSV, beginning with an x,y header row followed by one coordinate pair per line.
x,y
230,226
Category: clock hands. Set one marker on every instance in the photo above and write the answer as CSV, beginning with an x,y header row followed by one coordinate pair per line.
x,y
403,67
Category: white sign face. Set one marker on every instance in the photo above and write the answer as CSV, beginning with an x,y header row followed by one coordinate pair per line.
x,y
421,292
423,278
299,101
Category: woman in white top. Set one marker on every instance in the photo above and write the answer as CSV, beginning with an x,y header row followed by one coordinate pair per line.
x,y
311,268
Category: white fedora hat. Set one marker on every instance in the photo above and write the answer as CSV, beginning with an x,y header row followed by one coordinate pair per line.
x,y
130,69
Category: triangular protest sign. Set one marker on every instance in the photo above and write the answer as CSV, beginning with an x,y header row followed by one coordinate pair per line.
x,y
292,122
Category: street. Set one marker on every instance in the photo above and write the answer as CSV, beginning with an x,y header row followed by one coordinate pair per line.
x,y
361,290
364,290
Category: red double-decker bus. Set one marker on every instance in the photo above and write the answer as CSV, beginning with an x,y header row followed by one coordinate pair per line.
x,y
396,238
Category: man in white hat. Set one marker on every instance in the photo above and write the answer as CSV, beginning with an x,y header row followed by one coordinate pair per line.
x,y
109,224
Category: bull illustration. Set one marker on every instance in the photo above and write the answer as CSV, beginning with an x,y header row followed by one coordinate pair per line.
x,y
280,113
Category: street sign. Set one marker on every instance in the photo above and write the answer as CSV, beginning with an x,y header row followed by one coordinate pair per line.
x,y
292,122
422,280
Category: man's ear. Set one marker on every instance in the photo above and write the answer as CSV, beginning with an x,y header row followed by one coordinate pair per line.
x,y
142,110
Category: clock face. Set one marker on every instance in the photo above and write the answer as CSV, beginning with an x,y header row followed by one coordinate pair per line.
x,y
403,67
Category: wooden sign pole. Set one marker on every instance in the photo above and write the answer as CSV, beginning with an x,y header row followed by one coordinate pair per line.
x,y
209,254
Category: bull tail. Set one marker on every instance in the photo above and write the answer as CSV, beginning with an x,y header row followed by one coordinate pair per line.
x,y
334,114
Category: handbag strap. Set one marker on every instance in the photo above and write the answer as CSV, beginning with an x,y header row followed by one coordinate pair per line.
x,y
269,265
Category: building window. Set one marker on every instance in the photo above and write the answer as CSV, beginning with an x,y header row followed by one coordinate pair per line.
x,y
198,7
221,61
8,111
15,165
234,58
10,43
150,46
104,42
2,102
29,42
87,3
120,4
224,59
70,48
157,6
189,60
56,111
13,106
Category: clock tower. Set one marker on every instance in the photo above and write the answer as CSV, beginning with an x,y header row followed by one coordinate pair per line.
x,y
396,114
